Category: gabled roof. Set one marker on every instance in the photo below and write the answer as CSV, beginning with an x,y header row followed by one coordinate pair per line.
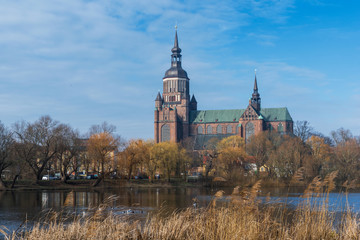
x,y
276,114
250,110
207,116
221,116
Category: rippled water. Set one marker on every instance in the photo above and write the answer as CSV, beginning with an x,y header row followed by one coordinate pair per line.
x,y
18,206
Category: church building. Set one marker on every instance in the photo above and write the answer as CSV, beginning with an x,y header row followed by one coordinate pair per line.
x,y
177,117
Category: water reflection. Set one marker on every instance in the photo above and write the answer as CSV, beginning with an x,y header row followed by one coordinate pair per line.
x,y
18,206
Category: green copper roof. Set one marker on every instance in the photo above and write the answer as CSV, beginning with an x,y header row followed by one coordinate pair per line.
x,y
207,116
213,116
276,114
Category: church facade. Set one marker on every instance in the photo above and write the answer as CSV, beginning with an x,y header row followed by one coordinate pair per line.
x,y
176,116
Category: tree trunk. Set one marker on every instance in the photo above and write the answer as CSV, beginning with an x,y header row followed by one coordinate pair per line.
x,y
63,176
99,180
14,181
130,172
168,175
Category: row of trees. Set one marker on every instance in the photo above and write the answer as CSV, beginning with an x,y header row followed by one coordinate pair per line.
x,y
47,146
33,149
281,155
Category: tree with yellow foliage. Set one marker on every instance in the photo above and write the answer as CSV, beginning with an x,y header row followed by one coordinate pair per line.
x,y
101,148
137,152
167,156
230,162
321,156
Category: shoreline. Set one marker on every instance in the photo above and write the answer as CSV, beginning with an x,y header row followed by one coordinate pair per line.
x,y
122,183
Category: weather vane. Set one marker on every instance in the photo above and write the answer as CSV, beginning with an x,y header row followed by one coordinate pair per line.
x,y
255,71
176,25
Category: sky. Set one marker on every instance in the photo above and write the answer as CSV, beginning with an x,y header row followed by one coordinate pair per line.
x,y
84,62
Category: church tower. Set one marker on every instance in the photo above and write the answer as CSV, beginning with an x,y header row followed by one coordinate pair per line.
x,y
172,109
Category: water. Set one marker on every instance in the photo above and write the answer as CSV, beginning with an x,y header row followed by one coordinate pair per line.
x,y
18,206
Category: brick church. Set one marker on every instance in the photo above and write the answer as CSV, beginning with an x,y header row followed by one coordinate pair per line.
x,y
177,116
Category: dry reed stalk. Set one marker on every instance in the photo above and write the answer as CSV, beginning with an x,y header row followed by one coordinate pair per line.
x,y
298,176
235,221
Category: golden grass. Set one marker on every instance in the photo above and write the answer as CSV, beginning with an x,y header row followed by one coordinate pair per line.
x,y
243,217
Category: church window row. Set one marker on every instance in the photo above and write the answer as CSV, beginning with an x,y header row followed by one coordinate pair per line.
x,y
249,129
172,98
175,86
280,127
219,129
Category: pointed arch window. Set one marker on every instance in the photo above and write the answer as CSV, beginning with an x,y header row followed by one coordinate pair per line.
x,y
280,127
249,131
271,128
228,129
200,130
219,129
209,130
165,133
238,129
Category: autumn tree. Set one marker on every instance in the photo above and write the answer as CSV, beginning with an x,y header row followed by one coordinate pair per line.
x,y
347,159
210,153
288,157
149,160
260,147
321,157
101,148
6,151
167,156
136,152
231,157
38,143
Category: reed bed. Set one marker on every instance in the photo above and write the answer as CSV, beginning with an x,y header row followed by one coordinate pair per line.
x,y
243,217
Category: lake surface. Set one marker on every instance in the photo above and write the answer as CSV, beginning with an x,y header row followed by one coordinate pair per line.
x,y
31,205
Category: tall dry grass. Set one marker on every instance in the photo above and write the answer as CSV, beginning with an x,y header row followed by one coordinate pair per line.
x,y
243,217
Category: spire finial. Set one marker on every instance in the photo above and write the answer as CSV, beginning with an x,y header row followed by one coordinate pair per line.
x,y
176,43
255,83
176,26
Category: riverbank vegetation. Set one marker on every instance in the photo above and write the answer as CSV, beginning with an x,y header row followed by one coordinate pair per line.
x,y
48,149
238,216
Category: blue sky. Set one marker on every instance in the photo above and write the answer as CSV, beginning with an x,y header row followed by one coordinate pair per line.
x,y
84,62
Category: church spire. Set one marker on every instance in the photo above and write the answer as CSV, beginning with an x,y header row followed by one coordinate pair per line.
x,y
255,83
176,69
256,100
176,48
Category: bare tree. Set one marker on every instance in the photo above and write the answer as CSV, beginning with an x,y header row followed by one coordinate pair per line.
x,y
6,148
103,128
38,143
69,147
303,130
341,135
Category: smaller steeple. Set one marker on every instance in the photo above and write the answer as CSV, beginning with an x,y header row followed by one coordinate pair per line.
x,y
193,99
158,97
255,99
158,101
193,103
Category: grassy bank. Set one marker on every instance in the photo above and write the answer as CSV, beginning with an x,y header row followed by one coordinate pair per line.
x,y
242,217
